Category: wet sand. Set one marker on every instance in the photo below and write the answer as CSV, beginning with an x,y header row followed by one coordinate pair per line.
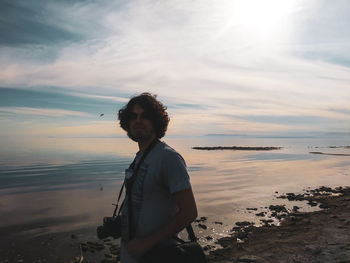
x,y
321,236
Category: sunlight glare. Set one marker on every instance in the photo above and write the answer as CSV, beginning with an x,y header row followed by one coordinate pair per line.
x,y
262,18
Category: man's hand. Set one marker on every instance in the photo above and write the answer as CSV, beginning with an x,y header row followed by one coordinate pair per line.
x,y
137,247
186,214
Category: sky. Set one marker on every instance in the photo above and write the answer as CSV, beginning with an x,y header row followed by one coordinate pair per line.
x,y
221,67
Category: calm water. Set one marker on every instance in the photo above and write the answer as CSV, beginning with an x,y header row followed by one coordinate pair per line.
x,y
52,184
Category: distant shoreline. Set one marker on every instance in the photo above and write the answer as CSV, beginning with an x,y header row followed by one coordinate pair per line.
x,y
335,154
236,148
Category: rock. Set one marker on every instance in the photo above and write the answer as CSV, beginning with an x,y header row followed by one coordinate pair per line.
x,y
296,208
202,226
116,246
110,256
218,223
266,221
261,214
244,223
312,203
235,228
250,259
208,247
201,219
208,238
253,209
241,235
278,208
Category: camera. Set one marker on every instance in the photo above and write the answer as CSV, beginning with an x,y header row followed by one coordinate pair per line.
x,y
112,226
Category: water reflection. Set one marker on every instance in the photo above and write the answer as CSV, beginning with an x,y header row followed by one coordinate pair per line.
x,y
76,180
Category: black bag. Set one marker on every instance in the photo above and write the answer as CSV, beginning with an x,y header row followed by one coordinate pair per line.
x,y
188,252
182,252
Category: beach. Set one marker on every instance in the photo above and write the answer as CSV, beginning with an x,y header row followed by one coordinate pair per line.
x,y
319,236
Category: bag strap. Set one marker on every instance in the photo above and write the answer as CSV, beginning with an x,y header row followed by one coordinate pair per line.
x,y
191,236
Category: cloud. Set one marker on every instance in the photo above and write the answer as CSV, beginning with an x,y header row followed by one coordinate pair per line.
x,y
99,97
42,112
193,54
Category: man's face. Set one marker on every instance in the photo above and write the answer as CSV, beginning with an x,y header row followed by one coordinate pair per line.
x,y
140,127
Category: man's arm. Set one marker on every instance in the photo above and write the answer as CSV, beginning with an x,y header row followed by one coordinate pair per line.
x,y
187,213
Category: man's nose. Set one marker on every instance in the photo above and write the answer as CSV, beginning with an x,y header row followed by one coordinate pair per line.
x,y
138,118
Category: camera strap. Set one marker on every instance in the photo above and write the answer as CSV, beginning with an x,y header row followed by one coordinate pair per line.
x,y
132,165
129,183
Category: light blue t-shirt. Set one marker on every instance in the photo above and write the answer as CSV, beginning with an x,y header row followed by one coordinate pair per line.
x,y
162,173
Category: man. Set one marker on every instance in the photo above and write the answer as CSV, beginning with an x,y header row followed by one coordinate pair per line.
x,y
161,201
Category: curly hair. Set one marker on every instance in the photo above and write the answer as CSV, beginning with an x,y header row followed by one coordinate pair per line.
x,y
152,107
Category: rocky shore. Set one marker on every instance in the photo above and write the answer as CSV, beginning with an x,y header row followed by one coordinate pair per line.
x,y
285,235
321,236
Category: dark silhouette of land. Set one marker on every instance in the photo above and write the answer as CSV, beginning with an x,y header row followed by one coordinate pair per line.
x,y
238,148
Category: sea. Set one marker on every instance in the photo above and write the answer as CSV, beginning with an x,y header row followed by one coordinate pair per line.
x,y
50,185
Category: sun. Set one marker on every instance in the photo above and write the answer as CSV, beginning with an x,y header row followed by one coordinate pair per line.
x,y
261,18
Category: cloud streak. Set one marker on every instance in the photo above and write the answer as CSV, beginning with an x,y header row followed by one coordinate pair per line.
x,y
42,112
